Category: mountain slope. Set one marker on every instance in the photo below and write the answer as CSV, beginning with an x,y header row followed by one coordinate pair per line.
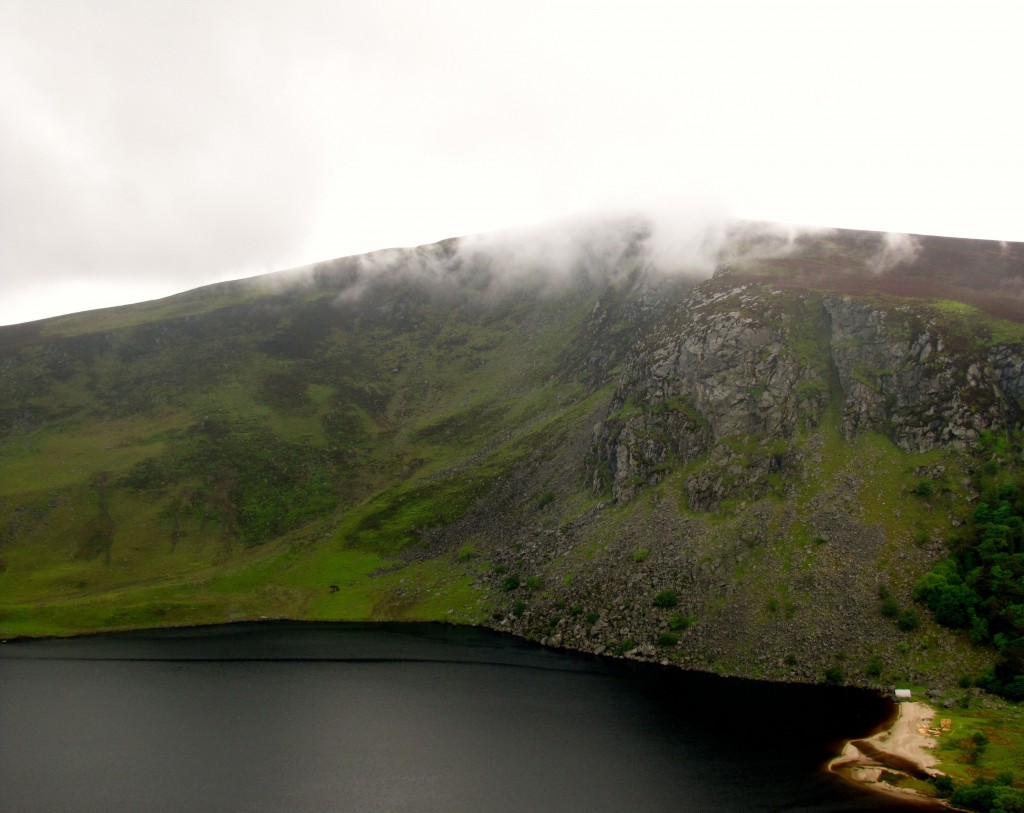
x,y
747,474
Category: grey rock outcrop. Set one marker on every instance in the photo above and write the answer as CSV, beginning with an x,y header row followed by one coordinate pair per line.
x,y
731,374
902,378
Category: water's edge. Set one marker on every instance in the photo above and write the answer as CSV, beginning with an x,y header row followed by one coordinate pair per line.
x,y
642,669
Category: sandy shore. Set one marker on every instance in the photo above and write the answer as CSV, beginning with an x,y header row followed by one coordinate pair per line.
x,y
905,747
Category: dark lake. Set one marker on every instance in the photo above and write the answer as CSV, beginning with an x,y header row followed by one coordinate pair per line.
x,y
404,717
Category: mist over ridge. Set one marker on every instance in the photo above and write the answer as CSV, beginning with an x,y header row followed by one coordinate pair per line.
x,y
603,250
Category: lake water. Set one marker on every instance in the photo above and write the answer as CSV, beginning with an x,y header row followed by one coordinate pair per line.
x,y
404,717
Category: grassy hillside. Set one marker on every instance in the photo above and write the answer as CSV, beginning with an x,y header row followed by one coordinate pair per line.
x,y
421,435
268,452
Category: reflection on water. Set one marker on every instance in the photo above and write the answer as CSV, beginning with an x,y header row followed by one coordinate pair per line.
x,y
359,717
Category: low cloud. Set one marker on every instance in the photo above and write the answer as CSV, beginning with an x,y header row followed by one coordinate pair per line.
x,y
896,250
599,249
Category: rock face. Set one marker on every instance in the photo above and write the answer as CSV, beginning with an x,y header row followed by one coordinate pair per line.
x,y
735,371
900,377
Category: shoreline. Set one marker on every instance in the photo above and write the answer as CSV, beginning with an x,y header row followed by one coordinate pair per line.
x,y
905,747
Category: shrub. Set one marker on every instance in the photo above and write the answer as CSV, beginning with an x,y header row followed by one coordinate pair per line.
x,y
641,555
666,599
518,608
908,621
1013,689
943,785
924,489
466,552
834,676
533,583
667,639
592,618
510,583
985,795
545,499
576,609
678,623
623,646
875,667
890,609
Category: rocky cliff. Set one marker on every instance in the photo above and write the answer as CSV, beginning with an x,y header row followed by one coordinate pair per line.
x,y
749,365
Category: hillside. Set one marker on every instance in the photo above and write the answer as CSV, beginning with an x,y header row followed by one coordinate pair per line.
x,y
748,473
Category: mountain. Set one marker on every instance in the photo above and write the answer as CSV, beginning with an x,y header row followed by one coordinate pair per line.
x,y
775,453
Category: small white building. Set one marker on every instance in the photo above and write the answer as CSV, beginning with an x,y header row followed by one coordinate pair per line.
x,y
902,694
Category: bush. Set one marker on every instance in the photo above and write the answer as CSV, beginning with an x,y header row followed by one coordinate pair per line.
x,y
533,583
545,499
890,609
908,621
875,667
925,489
592,618
510,583
641,555
1013,689
668,639
518,608
951,601
678,623
834,676
985,795
623,646
667,599
943,785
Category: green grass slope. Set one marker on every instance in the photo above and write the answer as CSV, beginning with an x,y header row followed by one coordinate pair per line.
x,y
268,451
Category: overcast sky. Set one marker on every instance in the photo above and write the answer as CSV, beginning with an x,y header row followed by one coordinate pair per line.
x,y
150,147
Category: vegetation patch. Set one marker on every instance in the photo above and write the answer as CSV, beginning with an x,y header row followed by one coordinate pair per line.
x,y
979,587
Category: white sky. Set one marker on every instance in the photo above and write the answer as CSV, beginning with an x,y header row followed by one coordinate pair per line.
x,y
148,147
